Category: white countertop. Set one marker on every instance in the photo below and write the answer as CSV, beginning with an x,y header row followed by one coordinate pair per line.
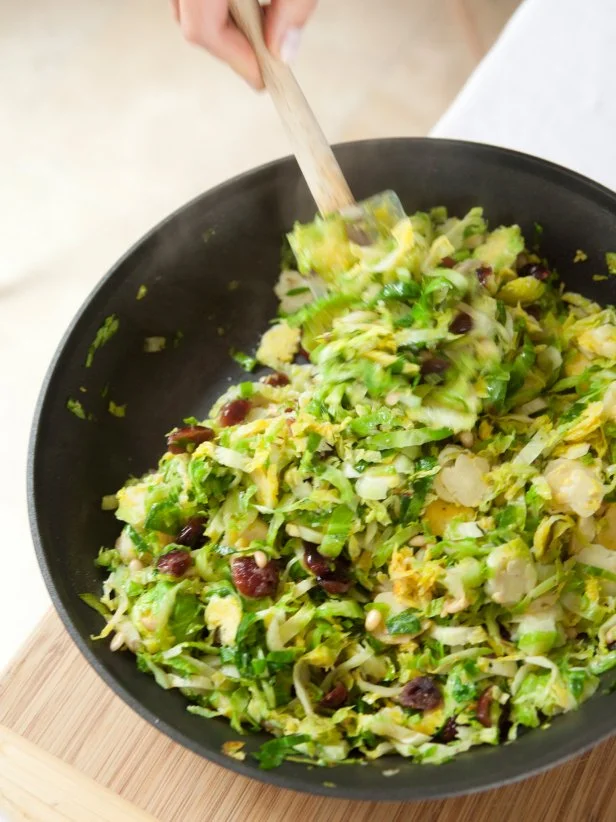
x,y
546,88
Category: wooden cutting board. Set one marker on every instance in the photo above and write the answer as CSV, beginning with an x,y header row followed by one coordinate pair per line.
x,y
71,750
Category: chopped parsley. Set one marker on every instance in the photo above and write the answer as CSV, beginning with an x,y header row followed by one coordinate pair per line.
x,y
273,753
244,360
117,410
152,345
76,408
103,335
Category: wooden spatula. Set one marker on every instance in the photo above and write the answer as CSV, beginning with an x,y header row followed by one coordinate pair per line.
x,y
312,151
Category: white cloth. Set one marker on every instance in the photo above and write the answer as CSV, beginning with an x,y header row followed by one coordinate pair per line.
x,y
547,87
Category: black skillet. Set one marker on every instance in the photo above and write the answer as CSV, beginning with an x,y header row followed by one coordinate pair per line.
x,y
187,262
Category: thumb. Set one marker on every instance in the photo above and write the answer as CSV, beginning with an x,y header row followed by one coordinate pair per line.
x,y
284,20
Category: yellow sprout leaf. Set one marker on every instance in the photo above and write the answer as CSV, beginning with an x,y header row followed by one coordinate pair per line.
x,y
267,485
550,533
589,419
463,482
224,613
413,582
600,341
609,403
278,345
607,528
575,487
575,363
486,429
439,514
430,722
523,290
234,749
256,531
592,588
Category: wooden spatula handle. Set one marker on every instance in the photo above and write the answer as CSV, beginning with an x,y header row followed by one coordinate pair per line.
x,y
312,151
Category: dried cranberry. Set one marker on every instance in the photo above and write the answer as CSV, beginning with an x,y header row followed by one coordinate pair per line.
x,y
315,562
504,632
536,270
277,379
448,732
301,352
178,441
175,563
461,323
357,234
335,698
421,693
252,581
192,534
484,708
332,575
483,272
234,412
434,365
448,262
335,584
534,311
611,646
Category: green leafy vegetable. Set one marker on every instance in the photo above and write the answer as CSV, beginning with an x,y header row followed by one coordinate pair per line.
x,y
273,753
406,622
247,362
117,410
103,335
76,408
417,526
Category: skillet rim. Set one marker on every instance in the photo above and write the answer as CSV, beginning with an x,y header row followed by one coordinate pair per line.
x,y
547,170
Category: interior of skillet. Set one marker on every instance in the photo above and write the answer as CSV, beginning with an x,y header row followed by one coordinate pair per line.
x,y
187,263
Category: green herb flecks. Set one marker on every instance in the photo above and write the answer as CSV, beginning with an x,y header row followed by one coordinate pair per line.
x,y
76,408
153,345
273,753
103,335
117,410
247,362
405,623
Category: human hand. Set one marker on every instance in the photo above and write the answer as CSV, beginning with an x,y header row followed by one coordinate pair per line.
x,y
208,23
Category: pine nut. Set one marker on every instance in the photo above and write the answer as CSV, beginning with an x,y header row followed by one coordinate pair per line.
x,y
419,541
260,558
135,565
467,439
373,620
117,642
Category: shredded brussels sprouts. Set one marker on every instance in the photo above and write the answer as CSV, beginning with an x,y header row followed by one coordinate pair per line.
x,y
403,539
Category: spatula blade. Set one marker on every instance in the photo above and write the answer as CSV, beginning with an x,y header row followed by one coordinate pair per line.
x,y
367,220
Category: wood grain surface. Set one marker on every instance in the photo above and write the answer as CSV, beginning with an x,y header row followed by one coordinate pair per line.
x,y
52,698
